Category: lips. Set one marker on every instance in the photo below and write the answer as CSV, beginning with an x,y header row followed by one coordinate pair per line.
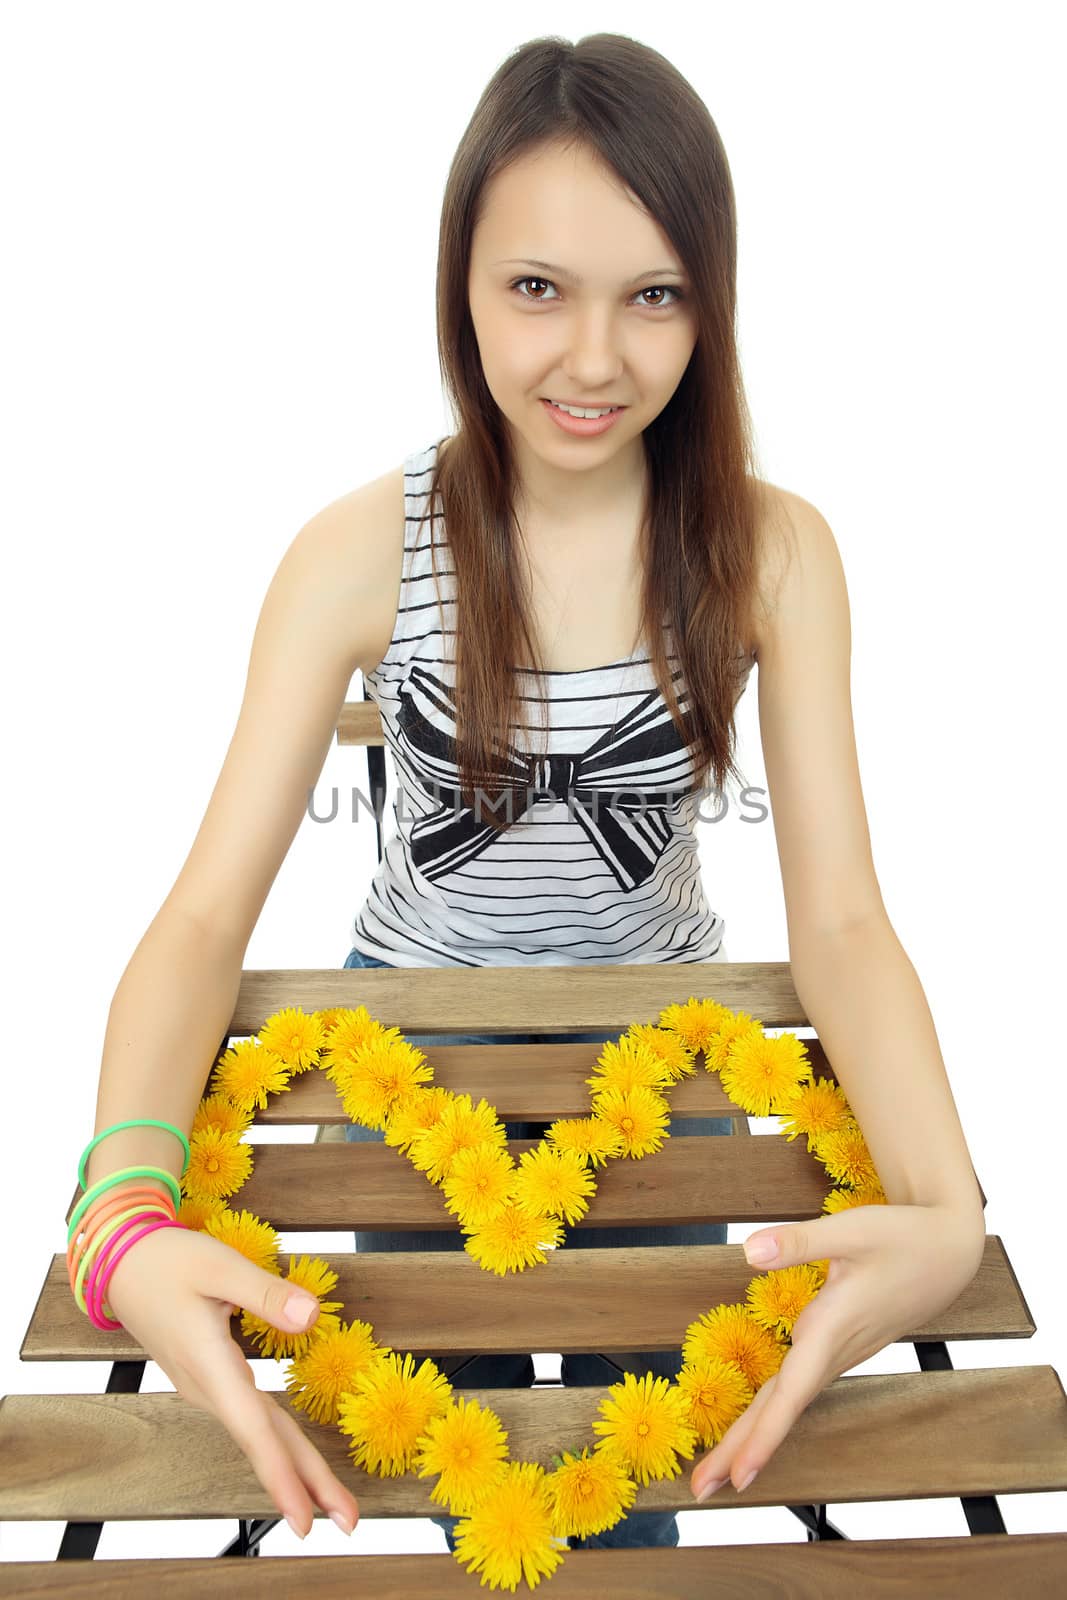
x,y
581,427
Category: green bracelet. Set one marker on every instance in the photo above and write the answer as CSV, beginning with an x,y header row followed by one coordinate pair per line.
x,y
120,1177
134,1122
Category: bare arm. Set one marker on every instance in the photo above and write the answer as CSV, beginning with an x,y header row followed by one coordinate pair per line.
x,y
855,981
177,995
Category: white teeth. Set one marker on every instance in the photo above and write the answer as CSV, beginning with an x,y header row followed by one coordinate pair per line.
x,y
582,411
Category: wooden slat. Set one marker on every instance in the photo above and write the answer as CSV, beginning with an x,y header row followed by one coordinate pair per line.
x,y
690,1179
524,999
360,722
525,1082
437,1303
983,1567
886,1436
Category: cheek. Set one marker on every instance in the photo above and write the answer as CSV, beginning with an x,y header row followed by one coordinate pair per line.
x,y
517,358
668,361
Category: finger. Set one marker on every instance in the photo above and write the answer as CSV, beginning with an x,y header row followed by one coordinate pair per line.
x,y
847,1234
802,1375
718,1463
323,1485
228,1385
812,1341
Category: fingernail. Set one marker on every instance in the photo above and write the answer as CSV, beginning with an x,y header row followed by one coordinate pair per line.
x,y
299,1309
294,1527
710,1488
760,1250
746,1481
341,1520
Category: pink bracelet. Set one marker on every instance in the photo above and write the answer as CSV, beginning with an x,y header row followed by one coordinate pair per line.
x,y
94,1224
101,1272
96,1248
98,1274
124,1237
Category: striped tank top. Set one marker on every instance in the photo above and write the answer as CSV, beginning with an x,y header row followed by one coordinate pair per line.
x,y
602,864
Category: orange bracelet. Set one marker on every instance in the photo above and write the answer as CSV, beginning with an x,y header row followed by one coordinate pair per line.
x,y
108,1205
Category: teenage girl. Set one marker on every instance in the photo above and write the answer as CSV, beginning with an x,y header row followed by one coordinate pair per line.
x,y
552,607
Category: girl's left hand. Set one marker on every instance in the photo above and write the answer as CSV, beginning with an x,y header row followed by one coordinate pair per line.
x,y
892,1269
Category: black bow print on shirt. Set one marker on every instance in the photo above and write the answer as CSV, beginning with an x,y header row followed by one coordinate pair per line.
x,y
627,824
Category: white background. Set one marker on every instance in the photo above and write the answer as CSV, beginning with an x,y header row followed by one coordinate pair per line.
x,y
217,296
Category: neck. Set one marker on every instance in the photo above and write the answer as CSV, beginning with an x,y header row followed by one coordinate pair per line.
x,y
563,501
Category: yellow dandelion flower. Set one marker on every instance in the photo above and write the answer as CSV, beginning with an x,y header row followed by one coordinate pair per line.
x,y
312,1274
639,1115
642,1422
479,1183
460,1125
816,1107
467,1445
777,1298
295,1037
845,1156
256,1240
218,1165
216,1111
589,1137
388,1409
316,1278
330,1018
194,1213
384,1075
318,1376
508,1536
758,1070
629,1065
556,1183
411,1117
729,1333
735,1025
714,1393
588,1493
513,1240
868,1194
670,1047
247,1073
696,1022
353,1028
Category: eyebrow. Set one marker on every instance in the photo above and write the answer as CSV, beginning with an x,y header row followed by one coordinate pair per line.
x,y
572,277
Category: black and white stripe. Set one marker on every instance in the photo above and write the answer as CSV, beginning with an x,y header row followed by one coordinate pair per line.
x,y
600,860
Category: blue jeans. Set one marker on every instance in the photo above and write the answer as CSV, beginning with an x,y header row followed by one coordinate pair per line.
x,y
516,1371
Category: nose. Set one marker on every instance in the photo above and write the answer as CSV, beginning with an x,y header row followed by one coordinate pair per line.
x,y
593,360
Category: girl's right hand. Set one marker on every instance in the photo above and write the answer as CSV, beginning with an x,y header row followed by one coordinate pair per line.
x,y
175,1291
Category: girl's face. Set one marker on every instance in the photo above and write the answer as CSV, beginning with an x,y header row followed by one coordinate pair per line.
x,y
607,323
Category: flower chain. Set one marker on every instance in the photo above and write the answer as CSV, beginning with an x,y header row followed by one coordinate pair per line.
x,y
517,1516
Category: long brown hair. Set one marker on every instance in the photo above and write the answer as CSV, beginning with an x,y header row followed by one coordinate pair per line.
x,y
626,102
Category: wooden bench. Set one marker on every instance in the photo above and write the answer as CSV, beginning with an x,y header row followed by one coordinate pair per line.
x,y
84,1459
77,1458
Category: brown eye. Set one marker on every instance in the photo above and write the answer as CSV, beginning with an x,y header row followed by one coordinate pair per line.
x,y
663,288
519,281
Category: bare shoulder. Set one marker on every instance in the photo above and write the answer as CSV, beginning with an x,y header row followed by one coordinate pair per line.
x,y
793,536
356,542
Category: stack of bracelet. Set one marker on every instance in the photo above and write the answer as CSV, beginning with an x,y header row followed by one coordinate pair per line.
x,y
103,1226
